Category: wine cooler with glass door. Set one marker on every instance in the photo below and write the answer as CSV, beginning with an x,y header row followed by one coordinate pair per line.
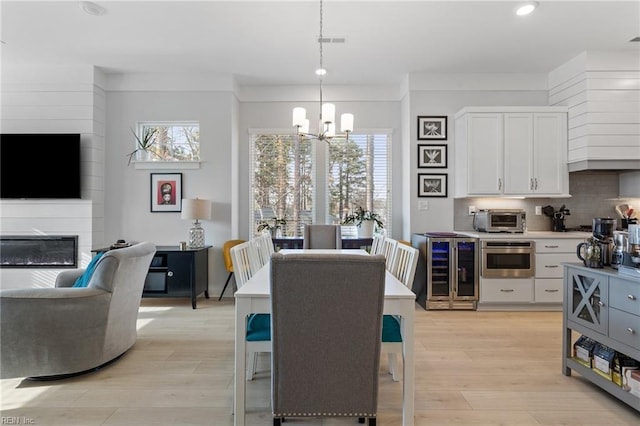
x,y
447,271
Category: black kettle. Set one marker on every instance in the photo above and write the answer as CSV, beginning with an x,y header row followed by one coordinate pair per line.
x,y
592,257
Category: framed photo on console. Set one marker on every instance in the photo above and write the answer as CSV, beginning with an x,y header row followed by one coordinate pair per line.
x,y
432,156
432,185
166,192
432,128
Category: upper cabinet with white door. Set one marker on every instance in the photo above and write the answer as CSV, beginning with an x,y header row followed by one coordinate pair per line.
x,y
511,151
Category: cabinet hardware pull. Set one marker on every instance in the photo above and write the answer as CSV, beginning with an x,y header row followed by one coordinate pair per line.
x,y
170,273
499,183
551,290
600,304
531,184
506,290
550,246
630,330
551,266
631,297
536,180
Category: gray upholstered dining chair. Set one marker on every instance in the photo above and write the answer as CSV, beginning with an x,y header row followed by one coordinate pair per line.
x,y
322,237
326,316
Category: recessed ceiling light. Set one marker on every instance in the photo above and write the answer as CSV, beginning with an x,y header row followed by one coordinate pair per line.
x,y
91,8
526,8
321,71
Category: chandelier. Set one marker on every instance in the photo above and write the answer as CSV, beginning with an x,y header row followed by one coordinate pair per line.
x,y
327,122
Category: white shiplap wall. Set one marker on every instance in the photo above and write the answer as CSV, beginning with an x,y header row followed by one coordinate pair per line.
x,y
56,99
602,91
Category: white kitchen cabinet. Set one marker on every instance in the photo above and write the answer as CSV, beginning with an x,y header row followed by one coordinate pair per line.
x,y
551,254
535,152
482,154
507,292
511,151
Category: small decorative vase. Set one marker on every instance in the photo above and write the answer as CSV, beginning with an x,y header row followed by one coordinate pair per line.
x,y
143,155
365,230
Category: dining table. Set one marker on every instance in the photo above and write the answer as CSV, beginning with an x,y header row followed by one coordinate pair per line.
x,y
254,297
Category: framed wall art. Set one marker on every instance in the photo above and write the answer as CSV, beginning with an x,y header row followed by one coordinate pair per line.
x,y
432,128
166,192
432,185
432,156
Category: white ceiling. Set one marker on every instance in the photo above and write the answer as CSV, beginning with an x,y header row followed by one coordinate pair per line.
x,y
274,42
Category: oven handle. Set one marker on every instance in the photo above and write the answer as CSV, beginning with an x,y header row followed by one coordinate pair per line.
x,y
510,250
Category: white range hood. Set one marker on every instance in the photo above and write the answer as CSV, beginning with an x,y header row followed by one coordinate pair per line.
x,y
602,92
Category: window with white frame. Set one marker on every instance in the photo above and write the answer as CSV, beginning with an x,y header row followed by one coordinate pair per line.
x,y
282,170
170,141
360,176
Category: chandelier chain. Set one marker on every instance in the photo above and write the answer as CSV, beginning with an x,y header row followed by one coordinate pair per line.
x,y
321,62
327,121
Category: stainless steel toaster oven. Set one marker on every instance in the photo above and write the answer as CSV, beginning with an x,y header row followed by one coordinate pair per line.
x,y
492,220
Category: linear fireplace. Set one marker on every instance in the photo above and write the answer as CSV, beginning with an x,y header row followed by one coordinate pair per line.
x,y
39,251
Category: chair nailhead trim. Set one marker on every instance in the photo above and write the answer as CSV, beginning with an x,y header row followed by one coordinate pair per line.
x,y
324,414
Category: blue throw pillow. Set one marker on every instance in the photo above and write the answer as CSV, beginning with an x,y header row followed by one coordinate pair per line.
x,y
83,280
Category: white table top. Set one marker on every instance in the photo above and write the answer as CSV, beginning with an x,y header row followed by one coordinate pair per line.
x,y
258,285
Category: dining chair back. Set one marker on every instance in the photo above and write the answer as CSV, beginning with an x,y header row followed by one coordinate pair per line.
x,y
258,335
376,244
228,263
405,261
321,301
388,250
264,248
322,237
245,262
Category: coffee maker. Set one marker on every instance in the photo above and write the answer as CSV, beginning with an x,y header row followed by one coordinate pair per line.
x,y
631,257
603,230
620,247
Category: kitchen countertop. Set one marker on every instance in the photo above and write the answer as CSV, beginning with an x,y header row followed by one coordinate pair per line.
x,y
526,235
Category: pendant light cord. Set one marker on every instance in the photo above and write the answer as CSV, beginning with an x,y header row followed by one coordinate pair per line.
x,y
321,65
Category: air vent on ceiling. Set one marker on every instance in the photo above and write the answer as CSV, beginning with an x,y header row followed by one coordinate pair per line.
x,y
332,39
635,39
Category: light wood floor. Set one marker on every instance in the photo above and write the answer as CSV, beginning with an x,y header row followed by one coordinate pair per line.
x,y
472,368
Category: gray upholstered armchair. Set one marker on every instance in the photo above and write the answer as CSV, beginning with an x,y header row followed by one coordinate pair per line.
x,y
326,331
322,237
65,330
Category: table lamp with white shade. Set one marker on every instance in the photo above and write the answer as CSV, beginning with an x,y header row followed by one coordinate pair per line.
x,y
196,209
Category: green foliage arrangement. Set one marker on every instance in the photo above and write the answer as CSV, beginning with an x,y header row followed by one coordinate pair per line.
x,y
144,144
362,215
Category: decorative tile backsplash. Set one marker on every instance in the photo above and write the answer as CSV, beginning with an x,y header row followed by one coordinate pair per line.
x,y
593,194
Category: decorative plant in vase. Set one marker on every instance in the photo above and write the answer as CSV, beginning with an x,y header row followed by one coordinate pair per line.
x,y
145,143
364,220
275,229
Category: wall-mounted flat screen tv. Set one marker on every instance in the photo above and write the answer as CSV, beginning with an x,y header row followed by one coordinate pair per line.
x,y
40,166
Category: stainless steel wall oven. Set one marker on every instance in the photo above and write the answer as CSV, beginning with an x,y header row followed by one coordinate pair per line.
x,y
507,259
